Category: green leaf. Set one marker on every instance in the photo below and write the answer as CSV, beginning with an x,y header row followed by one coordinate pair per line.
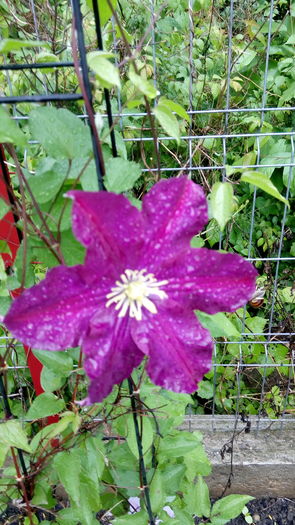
x,y
263,182
174,106
68,468
53,430
60,362
47,181
45,56
139,518
4,247
245,58
197,462
106,72
51,381
13,435
143,85
105,13
205,390
10,45
178,445
4,206
147,435
168,121
96,457
61,133
202,499
68,516
222,202
287,294
172,476
121,174
44,405
5,303
10,131
73,251
157,492
218,324
230,507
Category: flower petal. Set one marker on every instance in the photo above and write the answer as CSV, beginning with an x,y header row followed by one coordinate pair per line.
x,y
178,346
109,226
174,210
111,354
210,281
55,313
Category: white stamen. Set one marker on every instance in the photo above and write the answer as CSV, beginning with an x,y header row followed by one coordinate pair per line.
x,y
134,292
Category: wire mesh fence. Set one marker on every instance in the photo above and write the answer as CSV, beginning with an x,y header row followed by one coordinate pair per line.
x,y
237,87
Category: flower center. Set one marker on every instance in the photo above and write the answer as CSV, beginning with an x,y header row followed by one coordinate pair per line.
x,y
133,292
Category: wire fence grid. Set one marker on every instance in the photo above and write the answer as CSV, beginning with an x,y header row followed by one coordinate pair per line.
x,y
226,138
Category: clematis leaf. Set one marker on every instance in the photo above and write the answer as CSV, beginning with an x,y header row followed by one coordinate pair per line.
x,y
68,468
143,85
202,499
105,12
12,434
134,519
4,207
106,73
121,174
60,362
174,106
222,202
147,435
45,56
197,498
230,507
157,491
264,183
51,381
168,121
10,131
61,133
47,180
46,404
177,445
218,324
10,45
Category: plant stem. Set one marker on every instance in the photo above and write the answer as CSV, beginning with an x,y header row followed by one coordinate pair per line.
x,y
142,469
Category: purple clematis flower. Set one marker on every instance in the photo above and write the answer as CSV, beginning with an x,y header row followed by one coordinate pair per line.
x,y
135,294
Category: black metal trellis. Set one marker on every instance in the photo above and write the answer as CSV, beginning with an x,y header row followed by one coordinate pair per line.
x,y
80,64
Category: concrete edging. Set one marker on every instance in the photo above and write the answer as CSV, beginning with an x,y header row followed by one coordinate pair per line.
x,y
263,460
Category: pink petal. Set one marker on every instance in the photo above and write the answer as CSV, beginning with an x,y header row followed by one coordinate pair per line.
x,y
110,353
178,346
174,210
210,281
110,227
55,313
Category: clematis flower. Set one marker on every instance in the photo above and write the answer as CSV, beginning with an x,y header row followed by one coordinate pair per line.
x,y
136,292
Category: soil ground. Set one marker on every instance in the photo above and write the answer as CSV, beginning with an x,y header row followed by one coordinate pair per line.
x,y
264,511
268,511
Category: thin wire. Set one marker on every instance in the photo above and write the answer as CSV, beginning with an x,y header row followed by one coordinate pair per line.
x,y
106,91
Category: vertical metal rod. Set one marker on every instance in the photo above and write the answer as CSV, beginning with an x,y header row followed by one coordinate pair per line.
x,y
106,91
84,68
191,78
140,454
263,102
